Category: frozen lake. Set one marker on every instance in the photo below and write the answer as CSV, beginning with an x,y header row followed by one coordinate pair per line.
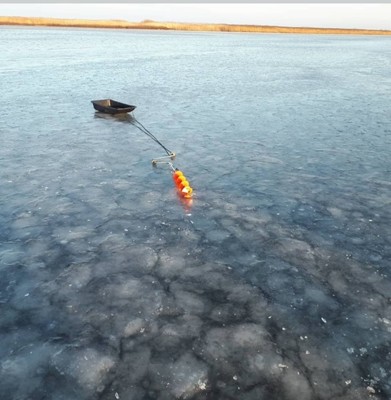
x,y
273,284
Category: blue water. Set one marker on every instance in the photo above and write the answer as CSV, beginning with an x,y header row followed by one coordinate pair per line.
x,y
273,283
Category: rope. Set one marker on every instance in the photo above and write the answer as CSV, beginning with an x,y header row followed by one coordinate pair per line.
x,y
181,182
143,129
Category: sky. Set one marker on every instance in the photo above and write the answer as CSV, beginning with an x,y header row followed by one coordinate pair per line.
x,y
353,15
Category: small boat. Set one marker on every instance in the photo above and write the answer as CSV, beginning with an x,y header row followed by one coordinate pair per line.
x,y
109,106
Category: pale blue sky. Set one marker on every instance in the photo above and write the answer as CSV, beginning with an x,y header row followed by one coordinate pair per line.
x,y
370,16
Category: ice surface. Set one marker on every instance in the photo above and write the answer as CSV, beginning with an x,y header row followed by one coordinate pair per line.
x,y
273,284
23,372
183,378
87,367
134,327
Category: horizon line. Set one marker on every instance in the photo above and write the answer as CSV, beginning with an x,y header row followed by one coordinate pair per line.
x,y
179,26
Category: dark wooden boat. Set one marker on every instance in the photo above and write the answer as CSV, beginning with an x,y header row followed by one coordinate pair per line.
x,y
109,106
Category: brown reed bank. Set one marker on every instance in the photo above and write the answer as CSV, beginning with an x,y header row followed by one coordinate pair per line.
x,y
119,24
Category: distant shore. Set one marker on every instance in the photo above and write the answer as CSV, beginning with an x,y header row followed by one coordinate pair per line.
x,y
119,24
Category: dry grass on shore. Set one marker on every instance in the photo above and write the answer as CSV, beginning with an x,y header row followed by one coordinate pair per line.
x,y
115,24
